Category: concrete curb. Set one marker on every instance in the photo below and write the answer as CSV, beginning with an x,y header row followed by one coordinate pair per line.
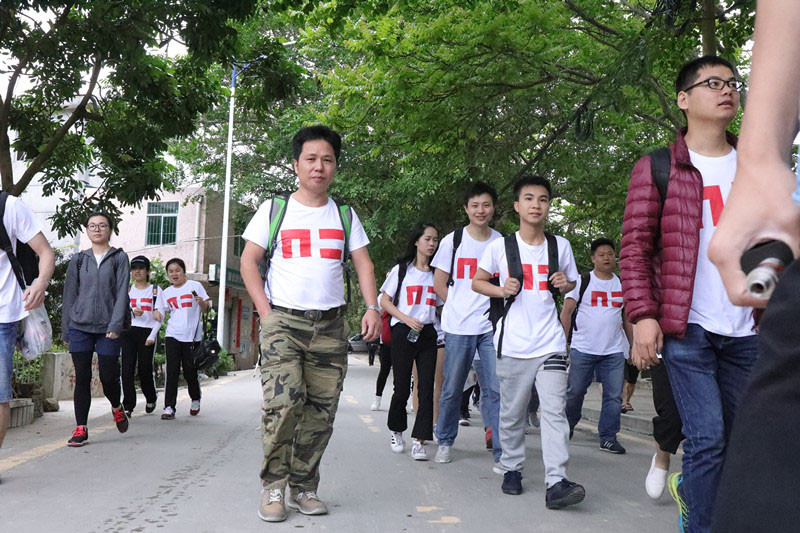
x,y
632,423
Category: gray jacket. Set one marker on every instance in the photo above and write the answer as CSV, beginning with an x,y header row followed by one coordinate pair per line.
x,y
99,302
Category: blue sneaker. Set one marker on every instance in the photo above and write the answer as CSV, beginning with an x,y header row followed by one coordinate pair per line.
x,y
512,483
674,484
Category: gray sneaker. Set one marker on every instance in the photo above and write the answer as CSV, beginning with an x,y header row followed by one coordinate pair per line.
x,y
272,507
442,454
307,503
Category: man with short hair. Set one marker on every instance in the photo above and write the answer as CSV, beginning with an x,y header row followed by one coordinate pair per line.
x,y
530,342
20,224
464,320
674,296
598,342
303,332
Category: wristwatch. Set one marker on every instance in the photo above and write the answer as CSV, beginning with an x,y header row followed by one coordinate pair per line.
x,y
374,308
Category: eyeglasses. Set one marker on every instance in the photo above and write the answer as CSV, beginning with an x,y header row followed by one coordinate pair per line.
x,y
717,84
95,227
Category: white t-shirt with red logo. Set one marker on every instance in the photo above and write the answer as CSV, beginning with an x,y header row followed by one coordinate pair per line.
x,y
143,299
532,327
20,224
184,311
599,318
464,311
711,307
306,268
417,297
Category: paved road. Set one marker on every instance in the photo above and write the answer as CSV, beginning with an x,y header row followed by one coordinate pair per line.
x,y
201,474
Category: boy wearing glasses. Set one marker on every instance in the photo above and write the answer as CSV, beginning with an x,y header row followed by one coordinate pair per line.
x,y
674,295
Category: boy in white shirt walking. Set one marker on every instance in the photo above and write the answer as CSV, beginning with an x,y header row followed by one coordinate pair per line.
x,y
530,342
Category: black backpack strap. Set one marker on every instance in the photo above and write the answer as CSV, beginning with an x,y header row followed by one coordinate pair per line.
x,y
401,275
457,236
514,271
585,279
660,166
79,265
552,262
5,244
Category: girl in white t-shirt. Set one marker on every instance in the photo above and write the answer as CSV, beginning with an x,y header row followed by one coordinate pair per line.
x,y
412,305
139,342
186,300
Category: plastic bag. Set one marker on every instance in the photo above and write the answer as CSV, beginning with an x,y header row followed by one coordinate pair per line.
x,y
36,334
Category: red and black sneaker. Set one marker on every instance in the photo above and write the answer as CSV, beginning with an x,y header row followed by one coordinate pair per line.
x,y
79,437
489,438
121,419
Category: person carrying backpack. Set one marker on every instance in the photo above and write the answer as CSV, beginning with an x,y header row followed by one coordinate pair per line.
x,y
385,358
464,320
408,295
96,310
305,241
19,228
139,343
593,317
529,340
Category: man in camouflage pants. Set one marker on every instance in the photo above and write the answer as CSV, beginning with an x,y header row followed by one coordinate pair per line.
x,y
303,333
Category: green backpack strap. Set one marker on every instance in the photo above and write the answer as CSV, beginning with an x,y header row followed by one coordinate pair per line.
x,y
277,212
346,217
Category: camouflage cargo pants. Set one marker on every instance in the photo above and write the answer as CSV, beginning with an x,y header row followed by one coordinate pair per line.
x,y
303,365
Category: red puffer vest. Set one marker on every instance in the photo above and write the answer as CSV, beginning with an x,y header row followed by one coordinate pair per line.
x,y
658,255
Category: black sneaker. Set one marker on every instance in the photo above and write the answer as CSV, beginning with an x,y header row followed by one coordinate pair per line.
x,y
571,432
563,494
150,407
612,446
512,482
121,420
79,437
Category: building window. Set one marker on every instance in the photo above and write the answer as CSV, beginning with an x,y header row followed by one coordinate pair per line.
x,y
162,223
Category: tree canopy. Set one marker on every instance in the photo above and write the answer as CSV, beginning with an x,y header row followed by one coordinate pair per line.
x,y
91,87
433,94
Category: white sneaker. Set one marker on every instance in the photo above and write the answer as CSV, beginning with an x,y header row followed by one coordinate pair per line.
x,y
409,408
442,454
418,451
168,414
656,480
195,408
376,404
398,444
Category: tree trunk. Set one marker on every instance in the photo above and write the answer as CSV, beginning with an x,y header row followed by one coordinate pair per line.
x,y
708,27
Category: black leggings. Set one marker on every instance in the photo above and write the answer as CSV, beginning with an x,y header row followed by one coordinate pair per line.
x,y
404,355
135,353
667,423
109,377
385,356
179,354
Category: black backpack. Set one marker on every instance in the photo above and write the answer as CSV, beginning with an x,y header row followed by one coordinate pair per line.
x,y
498,307
25,262
457,236
402,268
585,278
660,167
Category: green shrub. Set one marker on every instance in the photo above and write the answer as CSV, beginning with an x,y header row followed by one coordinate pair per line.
x,y
224,364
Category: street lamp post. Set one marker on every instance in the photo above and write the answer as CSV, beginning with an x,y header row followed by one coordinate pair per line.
x,y
223,275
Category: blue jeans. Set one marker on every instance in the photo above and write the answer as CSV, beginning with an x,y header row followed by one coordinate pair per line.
x,y
459,354
8,339
708,373
610,373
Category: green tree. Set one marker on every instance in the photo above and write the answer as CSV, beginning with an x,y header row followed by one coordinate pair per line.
x,y
89,88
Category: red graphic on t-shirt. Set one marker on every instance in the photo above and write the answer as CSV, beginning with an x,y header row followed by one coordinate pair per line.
x,y
714,196
527,276
463,263
601,299
186,300
414,295
331,253
303,238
